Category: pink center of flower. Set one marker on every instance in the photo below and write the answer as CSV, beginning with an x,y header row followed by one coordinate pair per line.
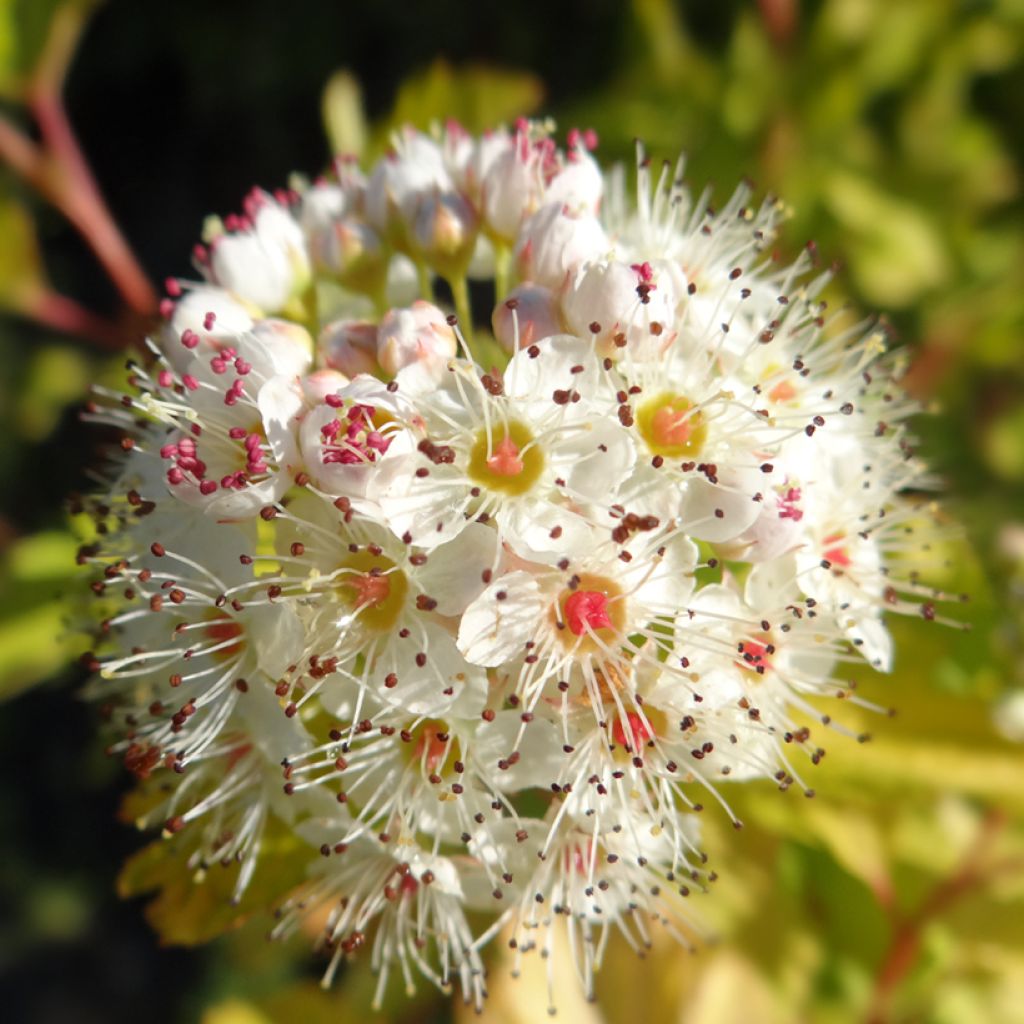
x,y
586,609
354,440
576,859
756,655
645,272
371,590
505,461
837,553
433,746
671,425
782,392
223,630
639,732
789,505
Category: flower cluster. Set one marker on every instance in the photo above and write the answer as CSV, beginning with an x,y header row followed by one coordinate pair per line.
x,y
481,634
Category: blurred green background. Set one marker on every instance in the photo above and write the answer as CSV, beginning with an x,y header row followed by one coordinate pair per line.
x,y
894,128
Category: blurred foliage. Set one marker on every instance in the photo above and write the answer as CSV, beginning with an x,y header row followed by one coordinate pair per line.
x,y
893,129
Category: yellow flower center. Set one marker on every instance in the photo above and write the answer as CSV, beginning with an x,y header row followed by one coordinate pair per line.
x,y
671,426
505,459
374,587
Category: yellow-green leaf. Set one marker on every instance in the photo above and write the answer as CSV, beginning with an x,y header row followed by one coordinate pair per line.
x,y
344,120
191,908
477,97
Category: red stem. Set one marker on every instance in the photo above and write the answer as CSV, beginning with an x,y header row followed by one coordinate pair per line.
x,y
58,169
905,943
51,309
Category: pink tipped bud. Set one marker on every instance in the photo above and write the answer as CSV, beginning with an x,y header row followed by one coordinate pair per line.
x,y
417,334
527,315
445,231
318,385
279,346
349,346
555,242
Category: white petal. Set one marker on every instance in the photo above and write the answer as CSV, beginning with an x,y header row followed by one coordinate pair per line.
x,y
278,637
718,513
420,690
497,625
453,573
541,759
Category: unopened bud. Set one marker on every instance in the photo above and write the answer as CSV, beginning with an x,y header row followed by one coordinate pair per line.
x,y
318,385
555,242
528,314
349,346
417,334
445,232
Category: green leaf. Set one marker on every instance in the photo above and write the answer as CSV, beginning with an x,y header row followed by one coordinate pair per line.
x,y
57,375
25,26
35,641
191,908
20,265
344,120
478,97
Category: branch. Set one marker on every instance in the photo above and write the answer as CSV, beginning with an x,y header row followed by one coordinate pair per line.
x,y
905,943
50,309
58,169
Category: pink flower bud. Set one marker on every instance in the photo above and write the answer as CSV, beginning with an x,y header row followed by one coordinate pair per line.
x,y
417,334
349,346
555,242
579,184
321,383
445,231
513,186
285,345
528,314
401,180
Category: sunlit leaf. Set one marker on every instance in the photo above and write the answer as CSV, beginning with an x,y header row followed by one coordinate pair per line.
x,y
191,908
344,120
478,97
234,1011
20,267
895,250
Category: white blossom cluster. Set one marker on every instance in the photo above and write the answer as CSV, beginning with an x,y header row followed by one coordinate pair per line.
x,y
480,640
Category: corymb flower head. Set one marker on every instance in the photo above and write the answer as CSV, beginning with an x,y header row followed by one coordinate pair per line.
x,y
484,635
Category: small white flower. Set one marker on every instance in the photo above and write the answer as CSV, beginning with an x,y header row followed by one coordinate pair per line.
x,y
263,258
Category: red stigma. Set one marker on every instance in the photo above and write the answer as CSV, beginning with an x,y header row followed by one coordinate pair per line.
x,y
586,609
639,732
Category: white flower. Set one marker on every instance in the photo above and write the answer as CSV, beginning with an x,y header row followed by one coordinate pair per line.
x,y
485,638
262,259
523,451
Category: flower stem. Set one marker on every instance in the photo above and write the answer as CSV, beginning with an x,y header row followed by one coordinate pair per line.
x,y
425,285
460,293
502,270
